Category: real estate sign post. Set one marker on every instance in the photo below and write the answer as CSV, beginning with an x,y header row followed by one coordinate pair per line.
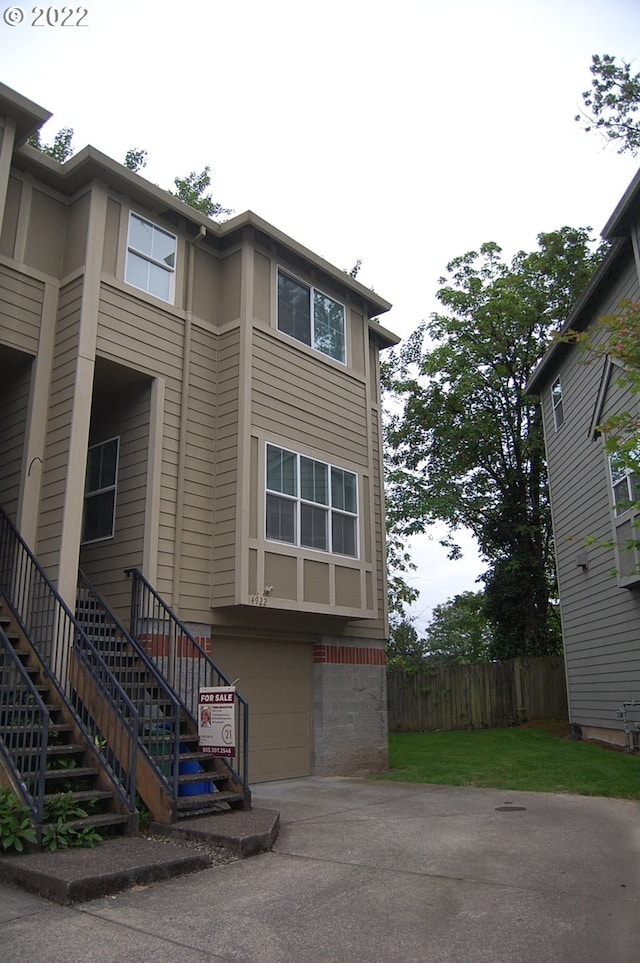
x,y
216,720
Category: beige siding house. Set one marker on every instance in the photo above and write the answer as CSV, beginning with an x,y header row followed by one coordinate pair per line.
x,y
200,401
594,527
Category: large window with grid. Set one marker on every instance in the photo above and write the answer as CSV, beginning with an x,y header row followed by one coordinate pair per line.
x,y
98,520
311,503
308,315
151,258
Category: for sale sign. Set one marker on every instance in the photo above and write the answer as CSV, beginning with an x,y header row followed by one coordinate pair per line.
x,y
217,720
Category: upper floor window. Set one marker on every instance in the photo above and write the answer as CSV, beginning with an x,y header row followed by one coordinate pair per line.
x,y
310,503
98,519
556,398
625,483
151,258
312,317
625,488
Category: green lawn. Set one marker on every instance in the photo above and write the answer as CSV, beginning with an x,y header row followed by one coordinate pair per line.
x,y
525,758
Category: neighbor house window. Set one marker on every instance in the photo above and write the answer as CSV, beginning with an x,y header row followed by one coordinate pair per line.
x,y
556,398
625,489
312,317
98,520
151,258
310,503
625,484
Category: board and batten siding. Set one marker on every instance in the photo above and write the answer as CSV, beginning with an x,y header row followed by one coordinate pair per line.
x,y
602,649
225,495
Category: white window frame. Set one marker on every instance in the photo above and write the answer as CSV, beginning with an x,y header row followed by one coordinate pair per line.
x,y
624,487
101,491
313,291
332,511
557,403
170,269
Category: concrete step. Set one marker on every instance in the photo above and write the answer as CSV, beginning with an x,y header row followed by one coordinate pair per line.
x,y
77,875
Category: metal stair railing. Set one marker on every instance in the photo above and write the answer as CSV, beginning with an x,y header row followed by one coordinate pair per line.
x,y
183,661
157,705
24,729
70,661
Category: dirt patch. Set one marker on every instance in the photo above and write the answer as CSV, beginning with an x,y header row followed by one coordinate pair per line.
x,y
560,728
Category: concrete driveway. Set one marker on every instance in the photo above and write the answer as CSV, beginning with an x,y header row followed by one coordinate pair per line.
x,y
377,871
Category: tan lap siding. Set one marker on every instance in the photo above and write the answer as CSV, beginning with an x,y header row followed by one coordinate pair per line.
x,y
145,336
21,300
298,395
61,401
197,516
226,469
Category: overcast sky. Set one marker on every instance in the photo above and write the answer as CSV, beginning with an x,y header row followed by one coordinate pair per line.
x,y
401,133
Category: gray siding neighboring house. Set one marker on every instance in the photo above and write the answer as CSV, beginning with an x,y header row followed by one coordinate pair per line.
x,y
598,578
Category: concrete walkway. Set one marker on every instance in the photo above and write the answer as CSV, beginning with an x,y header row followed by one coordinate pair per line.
x,y
376,871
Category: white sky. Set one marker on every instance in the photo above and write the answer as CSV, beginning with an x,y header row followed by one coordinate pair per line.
x,y
403,133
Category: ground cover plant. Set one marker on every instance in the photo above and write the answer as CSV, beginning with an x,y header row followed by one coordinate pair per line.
x,y
526,758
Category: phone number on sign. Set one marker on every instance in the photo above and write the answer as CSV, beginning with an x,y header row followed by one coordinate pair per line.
x,y
46,17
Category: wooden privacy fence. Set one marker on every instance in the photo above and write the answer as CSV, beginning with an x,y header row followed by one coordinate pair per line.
x,y
488,695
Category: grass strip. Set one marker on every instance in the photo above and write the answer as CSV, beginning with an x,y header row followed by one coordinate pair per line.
x,y
523,758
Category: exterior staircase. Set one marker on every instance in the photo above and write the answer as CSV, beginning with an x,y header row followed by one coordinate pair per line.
x,y
35,720
174,778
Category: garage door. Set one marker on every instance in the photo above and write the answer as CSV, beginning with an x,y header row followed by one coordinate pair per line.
x,y
276,680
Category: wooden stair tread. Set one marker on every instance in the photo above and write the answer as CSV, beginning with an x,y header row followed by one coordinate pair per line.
x,y
76,773
207,801
187,777
80,796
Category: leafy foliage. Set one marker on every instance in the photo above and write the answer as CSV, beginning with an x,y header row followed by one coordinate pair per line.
x,y
60,149
613,103
459,630
135,159
466,447
405,649
192,190
15,822
59,832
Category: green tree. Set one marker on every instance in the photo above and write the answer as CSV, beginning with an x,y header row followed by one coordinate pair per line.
x,y
135,159
405,650
192,189
466,446
459,630
612,103
60,149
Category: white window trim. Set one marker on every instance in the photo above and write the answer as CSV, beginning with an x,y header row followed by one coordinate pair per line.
x,y
312,290
171,271
621,518
299,500
102,491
